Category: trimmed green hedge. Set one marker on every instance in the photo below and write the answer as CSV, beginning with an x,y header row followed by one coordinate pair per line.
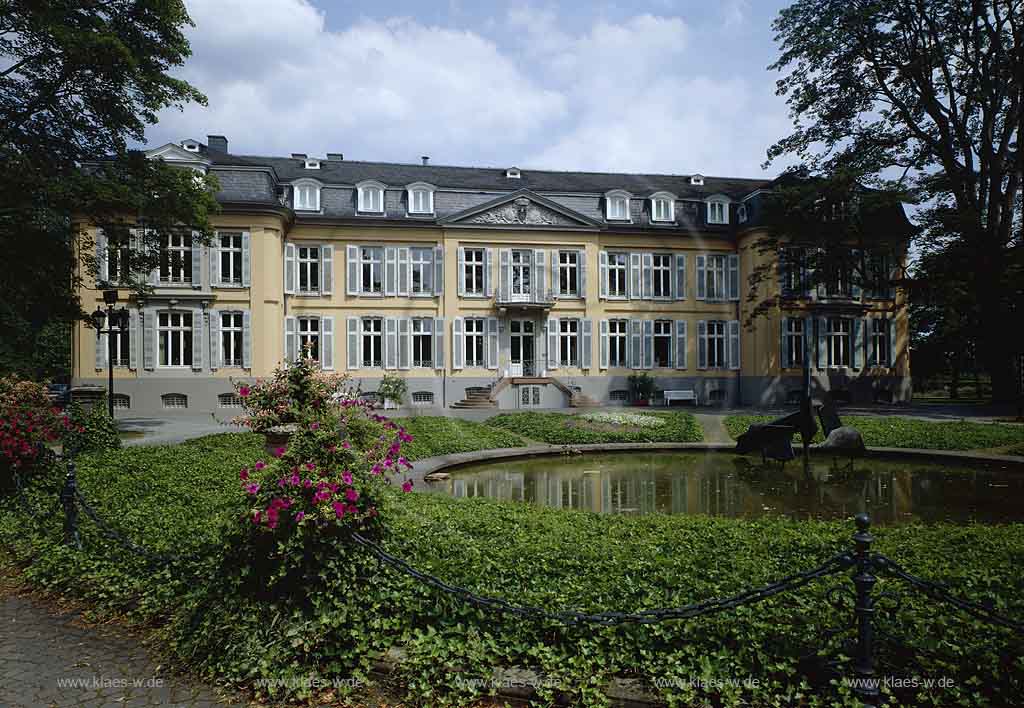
x,y
178,498
896,431
564,429
433,435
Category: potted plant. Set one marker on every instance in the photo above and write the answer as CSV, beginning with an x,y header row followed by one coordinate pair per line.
x,y
392,390
641,388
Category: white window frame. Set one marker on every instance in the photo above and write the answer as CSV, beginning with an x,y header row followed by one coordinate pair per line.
x,y
617,206
118,256
569,341
795,335
421,262
881,347
520,280
371,334
718,211
174,325
231,255
474,263
307,258
662,331
716,347
838,342
622,268
307,332
176,243
122,348
661,274
663,208
422,333
618,343
306,195
371,197
412,195
231,339
475,329
569,273
371,261
716,277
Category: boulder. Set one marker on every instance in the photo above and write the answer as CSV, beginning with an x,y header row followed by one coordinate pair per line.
x,y
845,439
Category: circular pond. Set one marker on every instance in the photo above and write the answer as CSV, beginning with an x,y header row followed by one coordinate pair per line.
x,y
729,485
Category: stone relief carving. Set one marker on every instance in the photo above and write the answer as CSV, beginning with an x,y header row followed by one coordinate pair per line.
x,y
522,211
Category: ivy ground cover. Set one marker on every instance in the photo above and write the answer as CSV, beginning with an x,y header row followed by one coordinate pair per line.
x,y
605,427
896,431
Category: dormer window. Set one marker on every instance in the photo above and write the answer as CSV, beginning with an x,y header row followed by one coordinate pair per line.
x,y
312,164
741,213
306,195
663,207
421,198
718,210
371,197
617,206
512,173
190,145
697,180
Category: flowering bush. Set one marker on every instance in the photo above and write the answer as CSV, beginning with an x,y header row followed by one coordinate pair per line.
x,y
291,397
637,420
27,420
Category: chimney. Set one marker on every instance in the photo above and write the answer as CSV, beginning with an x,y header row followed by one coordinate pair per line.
x,y
335,156
217,142
425,158
299,155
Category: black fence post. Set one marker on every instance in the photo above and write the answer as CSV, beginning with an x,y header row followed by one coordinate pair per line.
x,y
866,685
67,497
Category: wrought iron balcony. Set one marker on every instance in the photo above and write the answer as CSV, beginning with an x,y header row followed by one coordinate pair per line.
x,y
536,299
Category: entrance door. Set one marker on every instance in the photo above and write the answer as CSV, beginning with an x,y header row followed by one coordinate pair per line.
x,y
521,348
521,275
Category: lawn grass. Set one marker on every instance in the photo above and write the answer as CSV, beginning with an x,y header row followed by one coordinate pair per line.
x,y
435,435
179,498
567,429
897,431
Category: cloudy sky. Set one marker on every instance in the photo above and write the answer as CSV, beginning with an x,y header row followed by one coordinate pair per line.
x,y
674,86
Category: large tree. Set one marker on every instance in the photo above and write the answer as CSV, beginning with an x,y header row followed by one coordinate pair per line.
x,y
925,96
79,80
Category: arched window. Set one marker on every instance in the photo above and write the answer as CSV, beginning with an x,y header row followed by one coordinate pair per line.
x,y
663,207
122,400
371,197
229,400
617,205
421,198
174,400
718,209
423,398
306,195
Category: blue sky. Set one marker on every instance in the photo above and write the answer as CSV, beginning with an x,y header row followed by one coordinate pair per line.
x,y
667,86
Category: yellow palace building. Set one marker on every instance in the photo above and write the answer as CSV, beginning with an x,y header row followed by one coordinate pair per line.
x,y
494,287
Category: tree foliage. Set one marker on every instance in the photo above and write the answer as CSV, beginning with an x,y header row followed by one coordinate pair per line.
x,y
78,81
922,96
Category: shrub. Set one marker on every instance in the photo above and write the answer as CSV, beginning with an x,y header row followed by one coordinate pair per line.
x,y
27,422
392,388
92,431
641,386
562,429
293,396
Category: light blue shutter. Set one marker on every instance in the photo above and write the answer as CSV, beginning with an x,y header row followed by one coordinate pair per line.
x,y
198,343
403,271
492,342
733,329
291,347
326,270
291,268
504,260
647,287
734,277
540,275
462,271
822,342
246,339
552,342
390,270
215,343
857,334
102,262
352,350
680,344
390,343
635,289
438,270
602,259
680,280
438,342
585,346
857,271
102,350
702,343
556,286
351,270
458,344
214,251
197,265
133,339
702,277
892,343
648,344
327,343
581,261
246,259
488,283
603,360
149,339
784,354
635,344
405,342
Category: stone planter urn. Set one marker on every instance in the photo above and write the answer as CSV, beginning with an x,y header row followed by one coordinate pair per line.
x,y
277,437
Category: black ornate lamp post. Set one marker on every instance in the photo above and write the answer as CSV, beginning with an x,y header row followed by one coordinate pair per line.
x,y
117,321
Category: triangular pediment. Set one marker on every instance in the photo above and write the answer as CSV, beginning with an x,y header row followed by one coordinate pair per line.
x,y
175,153
521,209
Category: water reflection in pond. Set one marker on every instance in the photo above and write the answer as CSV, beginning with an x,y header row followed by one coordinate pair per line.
x,y
728,485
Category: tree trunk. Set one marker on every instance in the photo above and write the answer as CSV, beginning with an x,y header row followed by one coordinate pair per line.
x,y
954,380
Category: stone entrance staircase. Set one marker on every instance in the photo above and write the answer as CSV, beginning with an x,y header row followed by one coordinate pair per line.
x,y
482,397
476,397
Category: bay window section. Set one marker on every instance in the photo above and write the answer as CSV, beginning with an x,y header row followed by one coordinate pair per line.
x,y
231,259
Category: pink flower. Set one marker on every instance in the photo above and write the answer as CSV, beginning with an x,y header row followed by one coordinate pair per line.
x,y
256,517
260,465
314,426
294,479
346,477
339,509
376,469
310,466
307,483
252,487
404,462
347,445
407,485
332,448
278,452
300,516
244,391
351,494
351,508
244,474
